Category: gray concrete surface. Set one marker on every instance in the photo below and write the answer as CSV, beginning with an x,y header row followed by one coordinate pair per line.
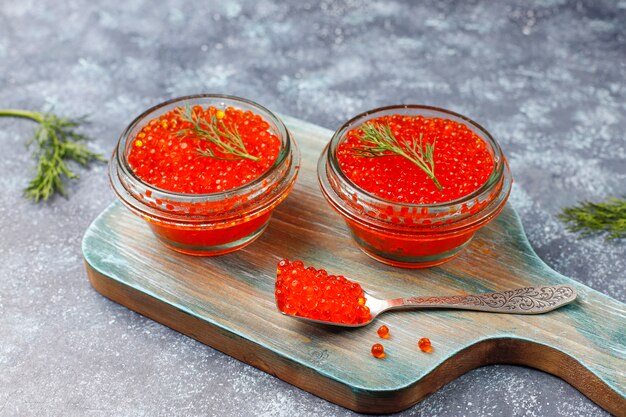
x,y
547,78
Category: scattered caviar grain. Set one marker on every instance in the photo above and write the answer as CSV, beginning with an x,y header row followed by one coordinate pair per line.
x,y
383,331
424,345
378,351
163,158
462,161
312,293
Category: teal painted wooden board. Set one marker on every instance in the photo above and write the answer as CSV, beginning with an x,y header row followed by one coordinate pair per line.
x,y
227,302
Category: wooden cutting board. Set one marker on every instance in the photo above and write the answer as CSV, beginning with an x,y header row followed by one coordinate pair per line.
x,y
227,302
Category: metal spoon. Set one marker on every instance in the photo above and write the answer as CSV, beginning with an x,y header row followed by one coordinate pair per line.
x,y
529,300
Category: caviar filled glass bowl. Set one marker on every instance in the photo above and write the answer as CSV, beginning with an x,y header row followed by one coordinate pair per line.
x,y
205,171
414,183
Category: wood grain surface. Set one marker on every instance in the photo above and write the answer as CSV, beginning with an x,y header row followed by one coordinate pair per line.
x,y
227,302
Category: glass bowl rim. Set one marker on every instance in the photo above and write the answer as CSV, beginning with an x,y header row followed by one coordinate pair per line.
x,y
496,173
122,163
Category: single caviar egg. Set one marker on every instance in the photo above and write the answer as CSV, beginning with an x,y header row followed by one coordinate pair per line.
x,y
378,351
424,345
383,332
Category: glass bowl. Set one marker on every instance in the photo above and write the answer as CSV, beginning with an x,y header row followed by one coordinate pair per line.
x,y
412,235
214,223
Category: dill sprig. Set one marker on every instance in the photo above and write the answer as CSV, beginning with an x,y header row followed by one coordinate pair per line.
x,y
380,141
227,140
588,218
56,142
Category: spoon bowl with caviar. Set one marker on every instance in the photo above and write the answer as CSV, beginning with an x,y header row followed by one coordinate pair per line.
x,y
313,295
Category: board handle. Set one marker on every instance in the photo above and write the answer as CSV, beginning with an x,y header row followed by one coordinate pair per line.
x,y
528,300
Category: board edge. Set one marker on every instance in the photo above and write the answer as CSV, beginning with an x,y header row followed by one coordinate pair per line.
x,y
505,350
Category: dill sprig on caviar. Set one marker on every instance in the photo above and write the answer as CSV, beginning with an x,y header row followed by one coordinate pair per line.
x,y
227,140
56,142
588,218
380,141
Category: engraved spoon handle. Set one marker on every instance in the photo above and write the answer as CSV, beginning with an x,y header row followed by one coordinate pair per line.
x,y
530,300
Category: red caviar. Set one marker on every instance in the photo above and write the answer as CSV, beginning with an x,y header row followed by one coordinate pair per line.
x,y
462,161
205,171
378,351
381,172
424,345
383,332
167,160
312,293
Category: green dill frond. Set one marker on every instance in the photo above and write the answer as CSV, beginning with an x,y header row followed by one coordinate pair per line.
x,y
380,141
226,140
588,218
55,143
